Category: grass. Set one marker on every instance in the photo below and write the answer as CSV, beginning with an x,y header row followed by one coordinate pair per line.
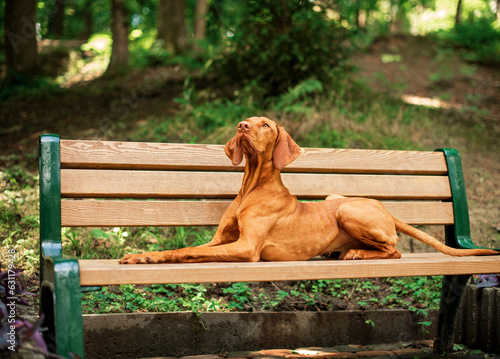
x,y
19,218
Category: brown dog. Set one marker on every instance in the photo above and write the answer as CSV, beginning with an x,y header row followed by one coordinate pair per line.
x,y
265,222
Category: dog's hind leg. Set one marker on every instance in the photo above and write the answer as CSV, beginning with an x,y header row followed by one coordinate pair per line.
x,y
370,223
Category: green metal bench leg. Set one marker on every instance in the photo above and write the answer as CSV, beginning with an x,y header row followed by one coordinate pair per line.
x,y
456,236
47,311
453,288
61,306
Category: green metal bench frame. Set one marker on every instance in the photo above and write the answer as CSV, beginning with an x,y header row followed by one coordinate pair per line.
x,y
60,290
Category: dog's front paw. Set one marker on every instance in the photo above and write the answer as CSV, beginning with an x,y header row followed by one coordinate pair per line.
x,y
144,258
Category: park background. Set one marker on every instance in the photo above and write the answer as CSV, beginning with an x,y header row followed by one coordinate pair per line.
x,y
374,74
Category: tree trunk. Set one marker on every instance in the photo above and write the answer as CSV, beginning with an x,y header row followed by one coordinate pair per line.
x,y
200,19
356,13
285,20
498,10
457,15
21,50
119,50
87,17
172,25
56,20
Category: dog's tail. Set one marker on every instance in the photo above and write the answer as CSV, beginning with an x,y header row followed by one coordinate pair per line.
x,y
433,242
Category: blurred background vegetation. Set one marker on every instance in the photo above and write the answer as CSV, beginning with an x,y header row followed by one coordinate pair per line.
x,y
262,46
381,74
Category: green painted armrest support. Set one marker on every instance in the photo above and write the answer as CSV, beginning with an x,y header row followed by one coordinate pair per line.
x,y
50,199
60,294
62,305
458,235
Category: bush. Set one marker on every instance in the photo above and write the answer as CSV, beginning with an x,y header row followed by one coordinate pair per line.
x,y
478,39
275,47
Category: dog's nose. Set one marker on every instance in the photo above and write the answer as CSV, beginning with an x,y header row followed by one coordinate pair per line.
x,y
244,126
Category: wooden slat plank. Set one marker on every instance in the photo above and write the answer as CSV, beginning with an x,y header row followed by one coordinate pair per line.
x,y
141,155
418,213
369,161
107,272
136,155
159,184
112,213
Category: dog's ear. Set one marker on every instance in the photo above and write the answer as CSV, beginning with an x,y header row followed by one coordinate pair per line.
x,y
233,151
285,150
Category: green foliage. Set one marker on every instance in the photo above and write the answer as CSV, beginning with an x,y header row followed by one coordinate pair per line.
x,y
309,295
19,220
154,298
21,87
477,39
78,12
297,99
275,47
240,294
202,116
100,46
370,322
147,51
327,137
425,292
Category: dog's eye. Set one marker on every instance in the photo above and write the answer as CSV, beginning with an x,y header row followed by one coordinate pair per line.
x,y
265,125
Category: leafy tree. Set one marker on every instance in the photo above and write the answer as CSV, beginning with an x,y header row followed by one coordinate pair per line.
x,y
278,44
21,51
56,21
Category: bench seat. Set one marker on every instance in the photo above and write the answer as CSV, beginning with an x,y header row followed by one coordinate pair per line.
x,y
108,272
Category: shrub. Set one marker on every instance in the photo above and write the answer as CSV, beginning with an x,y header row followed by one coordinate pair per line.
x,y
277,45
478,39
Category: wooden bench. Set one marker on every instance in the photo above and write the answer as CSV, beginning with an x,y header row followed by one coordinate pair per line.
x,y
92,184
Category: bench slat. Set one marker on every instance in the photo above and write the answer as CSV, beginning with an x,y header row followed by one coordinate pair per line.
x,y
115,213
159,184
109,272
135,155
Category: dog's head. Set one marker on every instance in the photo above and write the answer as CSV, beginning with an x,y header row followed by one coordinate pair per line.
x,y
259,136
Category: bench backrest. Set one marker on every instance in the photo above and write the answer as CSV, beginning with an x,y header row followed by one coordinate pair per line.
x,y
104,183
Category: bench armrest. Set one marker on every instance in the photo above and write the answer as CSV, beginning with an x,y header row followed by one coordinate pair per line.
x,y
458,235
60,304
50,199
